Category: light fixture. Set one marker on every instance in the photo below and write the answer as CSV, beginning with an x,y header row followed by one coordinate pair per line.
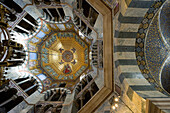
x,y
113,107
116,99
116,105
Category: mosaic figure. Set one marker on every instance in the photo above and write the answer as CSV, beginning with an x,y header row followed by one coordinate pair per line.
x,y
45,29
32,64
34,40
34,71
67,69
31,47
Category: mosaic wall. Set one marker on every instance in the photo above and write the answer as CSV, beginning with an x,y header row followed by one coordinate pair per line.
x,y
165,75
165,22
156,51
150,49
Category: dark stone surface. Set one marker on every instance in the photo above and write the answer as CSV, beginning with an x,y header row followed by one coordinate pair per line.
x,y
141,4
124,48
132,20
143,88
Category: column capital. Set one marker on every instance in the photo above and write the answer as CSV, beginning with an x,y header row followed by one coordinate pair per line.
x,y
14,97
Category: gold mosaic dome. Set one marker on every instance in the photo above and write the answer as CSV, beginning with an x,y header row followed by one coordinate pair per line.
x,y
62,55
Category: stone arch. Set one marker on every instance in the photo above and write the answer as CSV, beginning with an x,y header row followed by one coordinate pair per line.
x,y
128,73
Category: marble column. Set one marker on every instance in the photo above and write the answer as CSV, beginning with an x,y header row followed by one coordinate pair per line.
x,y
81,100
30,88
90,90
4,89
59,14
28,22
7,101
23,81
52,96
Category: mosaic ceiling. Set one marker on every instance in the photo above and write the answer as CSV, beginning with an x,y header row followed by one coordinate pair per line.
x,y
152,48
59,55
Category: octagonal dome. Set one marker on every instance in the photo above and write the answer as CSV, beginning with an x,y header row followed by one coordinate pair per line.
x,y
61,55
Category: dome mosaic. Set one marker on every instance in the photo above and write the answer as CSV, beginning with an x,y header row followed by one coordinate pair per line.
x,y
59,55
